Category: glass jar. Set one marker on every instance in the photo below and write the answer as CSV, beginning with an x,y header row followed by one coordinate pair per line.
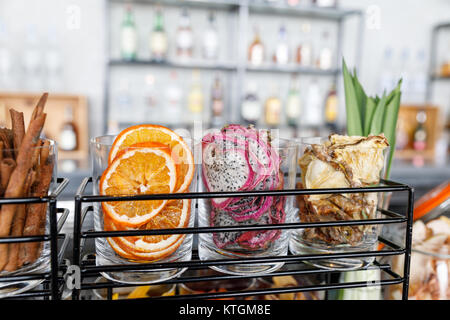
x,y
239,163
139,249
347,166
28,258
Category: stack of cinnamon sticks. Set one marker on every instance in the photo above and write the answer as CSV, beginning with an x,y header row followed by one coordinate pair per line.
x,y
26,170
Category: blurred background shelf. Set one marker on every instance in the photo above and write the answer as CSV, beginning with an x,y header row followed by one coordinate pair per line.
x,y
203,65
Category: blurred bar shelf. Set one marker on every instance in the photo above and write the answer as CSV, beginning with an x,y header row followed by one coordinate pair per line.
x,y
439,78
294,69
201,4
325,13
223,66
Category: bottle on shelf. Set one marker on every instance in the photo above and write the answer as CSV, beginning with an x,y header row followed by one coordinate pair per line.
x,y
195,96
420,132
313,104
402,139
256,50
251,105
331,108
325,58
281,54
387,76
419,78
304,52
211,39
123,101
293,103
68,136
326,3
32,77
174,94
404,73
128,36
150,99
292,3
158,39
217,102
273,108
184,36
53,63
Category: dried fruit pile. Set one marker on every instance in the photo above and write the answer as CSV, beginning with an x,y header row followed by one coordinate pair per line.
x,y
147,159
243,159
341,162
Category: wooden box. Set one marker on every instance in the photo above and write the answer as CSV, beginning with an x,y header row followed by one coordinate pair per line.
x,y
55,110
407,123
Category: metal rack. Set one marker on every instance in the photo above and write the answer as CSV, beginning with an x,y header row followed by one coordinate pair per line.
x,y
237,69
88,269
52,281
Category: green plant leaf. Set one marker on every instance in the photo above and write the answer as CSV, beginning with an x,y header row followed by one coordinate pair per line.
x,y
376,123
361,97
371,104
390,123
353,114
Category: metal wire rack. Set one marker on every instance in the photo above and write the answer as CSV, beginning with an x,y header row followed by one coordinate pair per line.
x,y
51,280
88,269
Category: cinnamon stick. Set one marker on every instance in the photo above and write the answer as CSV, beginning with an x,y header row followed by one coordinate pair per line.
x,y
18,226
6,168
1,149
39,109
17,181
6,136
18,129
36,213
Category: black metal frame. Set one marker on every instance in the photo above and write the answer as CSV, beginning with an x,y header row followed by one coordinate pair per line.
x,y
52,281
88,268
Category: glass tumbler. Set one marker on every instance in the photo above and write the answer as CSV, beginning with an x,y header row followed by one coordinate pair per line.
x,y
359,166
140,249
245,211
28,258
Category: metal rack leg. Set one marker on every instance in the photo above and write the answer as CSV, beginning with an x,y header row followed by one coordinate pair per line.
x,y
54,249
76,242
408,244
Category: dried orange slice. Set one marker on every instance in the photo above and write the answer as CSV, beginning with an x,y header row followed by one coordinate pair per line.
x,y
147,169
175,214
180,150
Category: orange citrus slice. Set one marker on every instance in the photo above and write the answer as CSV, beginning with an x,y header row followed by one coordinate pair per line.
x,y
175,214
147,169
180,150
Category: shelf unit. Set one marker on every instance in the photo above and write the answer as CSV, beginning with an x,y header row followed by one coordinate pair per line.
x,y
85,259
239,12
432,66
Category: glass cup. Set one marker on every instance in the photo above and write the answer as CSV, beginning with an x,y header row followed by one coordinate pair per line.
x,y
244,211
45,173
366,166
128,250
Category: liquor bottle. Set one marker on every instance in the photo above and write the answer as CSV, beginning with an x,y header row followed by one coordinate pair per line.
x,y
128,36
281,55
211,39
325,59
68,137
331,108
150,95
272,109
251,106
32,61
313,105
184,36
6,72
304,52
256,50
158,39
293,103
326,3
195,97
217,103
123,101
387,76
420,132
53,63
293,3
174,94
